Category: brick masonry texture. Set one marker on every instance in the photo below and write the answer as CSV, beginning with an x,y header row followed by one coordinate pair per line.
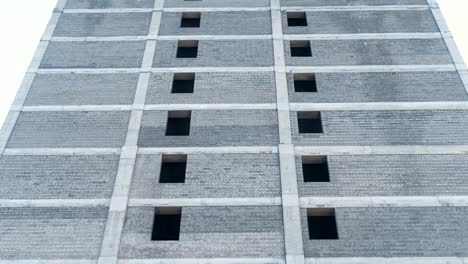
x,y
217,3
103,25
217,53
215,87
219,23
394,232
382,87
92,54
334,22
70,130
99,4
51,233
373,52
82,89
350,2
395,175
210,176
213,128
419,127
208,232
58,177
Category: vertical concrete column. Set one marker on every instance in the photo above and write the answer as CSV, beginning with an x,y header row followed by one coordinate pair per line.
x,y
289,192
449,41
28,79
120,196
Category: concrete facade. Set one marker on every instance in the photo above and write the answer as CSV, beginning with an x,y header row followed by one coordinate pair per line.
x,y
82,149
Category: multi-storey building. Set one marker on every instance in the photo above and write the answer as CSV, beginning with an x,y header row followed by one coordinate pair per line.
x,y
238,131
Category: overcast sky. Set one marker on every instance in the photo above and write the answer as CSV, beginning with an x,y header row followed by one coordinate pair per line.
x,y
22,23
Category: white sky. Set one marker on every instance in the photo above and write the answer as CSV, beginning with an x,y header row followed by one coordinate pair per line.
x,y
22,23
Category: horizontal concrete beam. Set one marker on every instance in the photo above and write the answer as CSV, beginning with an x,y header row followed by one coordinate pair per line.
x,y
408,260
208,150
117,38
379,106
215,9
49,261
380,150
109,10
210,106
247,37
383,201
362,36
355,8
214,69
204,261
55,203
253,9
61,151
90,70
371,68
166,69
74,108
274,201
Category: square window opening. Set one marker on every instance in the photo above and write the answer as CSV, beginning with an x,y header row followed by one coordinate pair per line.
x,y
309,122
183,83
315,169
178,123
187,49
190,20
300,48
173,169
322,223
305,83
297,19
166,225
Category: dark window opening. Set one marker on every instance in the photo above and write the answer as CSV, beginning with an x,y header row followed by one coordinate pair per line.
x,y
322,223
190,20
315,169
309,122
166,225
183,83
187,49
178,123
173,168
300,48
297,19
305,83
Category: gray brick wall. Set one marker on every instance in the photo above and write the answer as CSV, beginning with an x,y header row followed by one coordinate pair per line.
x,y
373,52
208,232
57,177
213,128
82,89
51,233
103,25
390,175
394,232
420,127
70,129
98,4
382,87
91,54
350,2
219,23
217,3
215,87
334,22
210,176
217,53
